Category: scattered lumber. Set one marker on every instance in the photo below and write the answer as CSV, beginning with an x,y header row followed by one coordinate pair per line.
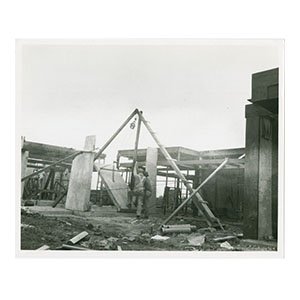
x,y
44,247
197,241
71,247
226,245
224,238
78,238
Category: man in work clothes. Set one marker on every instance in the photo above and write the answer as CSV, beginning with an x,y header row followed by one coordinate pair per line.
x,y
147,195
138,190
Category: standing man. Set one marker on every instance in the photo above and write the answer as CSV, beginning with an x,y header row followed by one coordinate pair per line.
x,y
147,194
138,190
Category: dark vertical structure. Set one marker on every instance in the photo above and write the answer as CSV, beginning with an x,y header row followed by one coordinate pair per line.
x,y
261,161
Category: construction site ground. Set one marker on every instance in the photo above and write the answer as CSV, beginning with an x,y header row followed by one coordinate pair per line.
x,y
112,230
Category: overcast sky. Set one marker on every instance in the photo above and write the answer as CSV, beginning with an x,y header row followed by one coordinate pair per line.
x,y
193,95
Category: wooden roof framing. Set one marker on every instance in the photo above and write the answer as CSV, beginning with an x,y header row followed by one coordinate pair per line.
x,y
188,159
45,154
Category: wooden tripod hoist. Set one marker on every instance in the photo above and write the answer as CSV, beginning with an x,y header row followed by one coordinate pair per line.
x,y
194,193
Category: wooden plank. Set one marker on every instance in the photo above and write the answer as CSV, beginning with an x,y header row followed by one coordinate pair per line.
x,y
199,202
77,238
222,153
195,192
49,152
47,162
172,175
185,152
191,164
44,247
79,189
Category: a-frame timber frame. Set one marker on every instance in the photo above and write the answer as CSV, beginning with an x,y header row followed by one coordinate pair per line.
x,y
197,199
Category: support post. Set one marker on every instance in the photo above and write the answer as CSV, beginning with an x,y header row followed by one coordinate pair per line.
x,y
136,145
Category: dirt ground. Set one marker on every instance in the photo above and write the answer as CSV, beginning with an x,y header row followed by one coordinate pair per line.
x,y
119,231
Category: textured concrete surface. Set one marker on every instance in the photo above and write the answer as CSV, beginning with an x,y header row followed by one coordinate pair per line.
x,y
116,186
79,189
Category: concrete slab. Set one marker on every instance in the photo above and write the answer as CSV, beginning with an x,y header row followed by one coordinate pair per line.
x,y
151,168
116,186
79,190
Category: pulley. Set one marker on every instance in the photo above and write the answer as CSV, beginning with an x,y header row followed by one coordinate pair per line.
x,y
132,124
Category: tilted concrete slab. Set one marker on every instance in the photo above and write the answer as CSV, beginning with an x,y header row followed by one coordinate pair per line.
x,y
115,185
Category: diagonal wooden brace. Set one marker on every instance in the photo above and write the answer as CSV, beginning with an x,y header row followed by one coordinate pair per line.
x,y
198,200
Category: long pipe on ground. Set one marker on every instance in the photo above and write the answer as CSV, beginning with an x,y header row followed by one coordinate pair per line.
x,y
195,191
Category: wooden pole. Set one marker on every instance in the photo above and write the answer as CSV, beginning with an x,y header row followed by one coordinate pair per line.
x,y
199,202
195,191
136,145
115,134
79,152
137,138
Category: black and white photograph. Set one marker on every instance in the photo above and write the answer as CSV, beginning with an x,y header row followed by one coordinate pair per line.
x,y
150,145
149,149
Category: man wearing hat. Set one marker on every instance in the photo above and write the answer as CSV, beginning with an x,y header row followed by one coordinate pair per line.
x,y
138,190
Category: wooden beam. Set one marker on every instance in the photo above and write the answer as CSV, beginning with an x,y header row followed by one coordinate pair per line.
x,y
47,162
49,152
137,138
191,164
195,192
98,154
165,174
52,165
199,202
